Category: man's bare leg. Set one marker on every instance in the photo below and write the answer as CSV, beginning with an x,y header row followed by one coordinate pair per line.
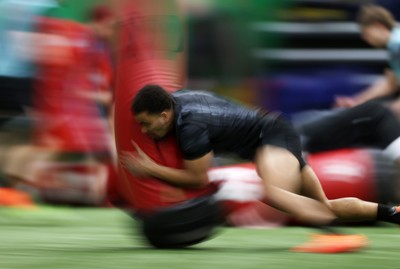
x,y
282,179
349,209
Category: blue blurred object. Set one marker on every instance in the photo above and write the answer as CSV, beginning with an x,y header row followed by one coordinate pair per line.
x,y
296,91
18,16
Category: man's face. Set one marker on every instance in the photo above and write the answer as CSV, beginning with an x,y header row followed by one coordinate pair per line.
x,y
375,35
105,29
154,125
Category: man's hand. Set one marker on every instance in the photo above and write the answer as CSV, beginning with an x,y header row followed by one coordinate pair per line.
x,y
138,163
395,107
345,101
192,175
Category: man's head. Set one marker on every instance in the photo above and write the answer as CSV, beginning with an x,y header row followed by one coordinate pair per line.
x,y
102,21
376,24
152,108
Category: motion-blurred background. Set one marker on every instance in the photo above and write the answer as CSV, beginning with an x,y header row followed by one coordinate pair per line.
x,y
57,72
283,55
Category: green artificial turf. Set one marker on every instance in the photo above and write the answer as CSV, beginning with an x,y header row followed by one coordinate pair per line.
x,y
58,238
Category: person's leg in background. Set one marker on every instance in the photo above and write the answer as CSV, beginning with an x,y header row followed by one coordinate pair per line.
x,y
367,125
370,125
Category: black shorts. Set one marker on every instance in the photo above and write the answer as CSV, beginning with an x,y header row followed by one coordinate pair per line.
x,y
279,132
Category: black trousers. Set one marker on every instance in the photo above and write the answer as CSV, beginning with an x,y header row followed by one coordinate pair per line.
x,y
368,125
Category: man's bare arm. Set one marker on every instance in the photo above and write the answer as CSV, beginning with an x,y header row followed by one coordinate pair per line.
x,y
193,175
383,87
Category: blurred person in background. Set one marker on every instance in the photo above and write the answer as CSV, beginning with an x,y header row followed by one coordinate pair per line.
x,y
72,156
71,99
19,53
370,124
378,27
102,22
18,36
205,124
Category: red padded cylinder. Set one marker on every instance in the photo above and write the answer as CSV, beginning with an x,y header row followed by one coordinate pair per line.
x,y
151,51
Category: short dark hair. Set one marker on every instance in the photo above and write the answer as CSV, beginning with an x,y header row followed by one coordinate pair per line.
x,y
152,99
370,14
100,13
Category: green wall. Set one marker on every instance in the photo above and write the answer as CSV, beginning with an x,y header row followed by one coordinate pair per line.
x,y
74,9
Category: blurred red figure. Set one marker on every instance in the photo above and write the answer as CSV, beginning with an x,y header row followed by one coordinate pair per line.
x,y
72,136
102,23
69,118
